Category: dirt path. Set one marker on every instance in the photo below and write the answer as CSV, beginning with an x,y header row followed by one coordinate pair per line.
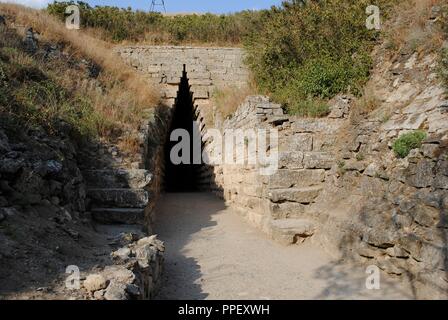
x,y
213,254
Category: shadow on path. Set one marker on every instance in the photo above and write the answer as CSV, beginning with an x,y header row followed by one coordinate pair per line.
x,y
179,217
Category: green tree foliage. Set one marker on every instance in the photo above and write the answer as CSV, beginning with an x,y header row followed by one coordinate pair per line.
x,y
313,50
302,53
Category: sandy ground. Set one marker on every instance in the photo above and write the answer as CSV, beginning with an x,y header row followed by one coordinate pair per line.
x,y
213,254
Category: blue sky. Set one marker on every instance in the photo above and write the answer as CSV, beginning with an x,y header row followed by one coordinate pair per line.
x,y
214,6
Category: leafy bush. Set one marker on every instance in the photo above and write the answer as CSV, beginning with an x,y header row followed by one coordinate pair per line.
x,y
301,53
407,142
125,24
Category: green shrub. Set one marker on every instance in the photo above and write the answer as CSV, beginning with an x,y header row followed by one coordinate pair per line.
x,y
125,24
315,49
407,142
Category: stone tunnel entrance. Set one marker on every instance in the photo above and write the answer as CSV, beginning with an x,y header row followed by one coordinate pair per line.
x,y
183,177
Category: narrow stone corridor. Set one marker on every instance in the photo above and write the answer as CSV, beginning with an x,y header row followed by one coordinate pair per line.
x,y
212,254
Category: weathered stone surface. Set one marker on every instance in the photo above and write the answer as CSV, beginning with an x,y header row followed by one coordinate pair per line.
x,y
120,178
354,165
122,254
424,215
397,252
412,244
318,160
116,292
287,210
303,195
118,216
289,231
298,142
290,178
95,282
369,252
421,175
121,198
291,160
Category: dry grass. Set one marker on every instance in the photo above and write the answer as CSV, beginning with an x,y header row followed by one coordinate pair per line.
x,y
408,29
118,96
85,45
229,98
363,106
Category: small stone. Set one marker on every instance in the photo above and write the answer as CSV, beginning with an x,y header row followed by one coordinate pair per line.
x,y
55,201
389,267
397,252
122,254
133,290
3,202
116,292
99,295
95,282
368,252
430,150
425,216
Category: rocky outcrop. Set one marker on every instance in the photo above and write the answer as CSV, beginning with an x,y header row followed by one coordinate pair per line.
x,y
36,169
136,274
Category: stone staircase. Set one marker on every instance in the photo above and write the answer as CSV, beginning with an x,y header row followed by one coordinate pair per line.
x,y
118,196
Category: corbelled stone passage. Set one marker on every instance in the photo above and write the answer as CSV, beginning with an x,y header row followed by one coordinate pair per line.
x,y
181,177
339,184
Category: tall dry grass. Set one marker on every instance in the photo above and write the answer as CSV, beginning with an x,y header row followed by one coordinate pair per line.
x,y
84,44
408,28
118,96
229,98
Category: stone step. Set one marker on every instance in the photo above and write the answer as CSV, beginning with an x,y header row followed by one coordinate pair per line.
x,y
118,178
291,231
119,198
300,195
118,216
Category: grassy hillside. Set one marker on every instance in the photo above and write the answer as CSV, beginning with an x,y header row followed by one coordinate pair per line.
x,y
72,77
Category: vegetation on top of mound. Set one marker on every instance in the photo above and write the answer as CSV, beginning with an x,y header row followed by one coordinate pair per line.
x,y
116,24
310,51
302,53
407,142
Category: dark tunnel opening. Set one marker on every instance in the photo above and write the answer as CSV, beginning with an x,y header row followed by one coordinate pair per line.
x,y
182,177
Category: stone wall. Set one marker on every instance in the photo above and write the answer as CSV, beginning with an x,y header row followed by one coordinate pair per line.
x,y
135,275
208,68
277,204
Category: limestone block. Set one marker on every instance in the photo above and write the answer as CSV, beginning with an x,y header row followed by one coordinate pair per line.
x,y
289,231
296,178
297,142
300,195
291,160
318,160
